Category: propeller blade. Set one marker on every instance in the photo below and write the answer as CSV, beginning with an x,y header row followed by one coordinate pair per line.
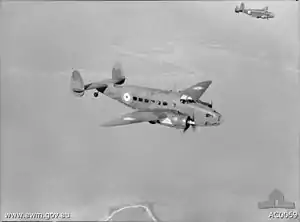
x,y
187,127
193,126
190,122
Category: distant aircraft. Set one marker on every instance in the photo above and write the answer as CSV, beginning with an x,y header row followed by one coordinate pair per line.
x,y
257,13
155,106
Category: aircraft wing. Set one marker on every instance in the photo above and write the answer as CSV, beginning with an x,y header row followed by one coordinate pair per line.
x,y
137,117
197,90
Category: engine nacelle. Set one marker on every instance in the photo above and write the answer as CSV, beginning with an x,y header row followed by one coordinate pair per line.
x,y
210,105
176,121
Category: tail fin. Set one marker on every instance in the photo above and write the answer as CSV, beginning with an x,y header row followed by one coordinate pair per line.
x,y
117,74
242,7
77,85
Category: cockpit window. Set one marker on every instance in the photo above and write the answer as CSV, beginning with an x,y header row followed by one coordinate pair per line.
x,y
186,99
208,115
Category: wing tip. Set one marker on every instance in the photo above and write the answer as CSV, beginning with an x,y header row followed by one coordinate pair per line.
x,y
105,125
206,83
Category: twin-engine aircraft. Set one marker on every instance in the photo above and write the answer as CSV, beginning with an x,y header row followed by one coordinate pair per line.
x,y
257,13
180,110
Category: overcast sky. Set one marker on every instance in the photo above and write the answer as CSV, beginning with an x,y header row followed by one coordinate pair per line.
x,y
56,158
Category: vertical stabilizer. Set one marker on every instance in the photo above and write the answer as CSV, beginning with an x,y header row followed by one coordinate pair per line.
x,y
117,73
266,8
77,85
242,7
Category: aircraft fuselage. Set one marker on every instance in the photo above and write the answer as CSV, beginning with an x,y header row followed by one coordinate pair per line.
x,y
258,13
145,98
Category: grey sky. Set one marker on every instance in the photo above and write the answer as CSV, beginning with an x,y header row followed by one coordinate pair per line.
x,y
54,155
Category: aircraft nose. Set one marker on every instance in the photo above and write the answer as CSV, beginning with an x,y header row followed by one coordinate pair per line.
x,y
220,119
272,15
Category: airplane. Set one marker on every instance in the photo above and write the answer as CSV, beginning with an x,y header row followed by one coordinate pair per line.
x,y
177,110
257,13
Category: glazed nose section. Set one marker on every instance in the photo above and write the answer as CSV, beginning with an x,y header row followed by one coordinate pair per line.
x,y
220,119
272,15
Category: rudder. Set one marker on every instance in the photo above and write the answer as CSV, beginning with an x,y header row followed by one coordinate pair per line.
x,y
242,7
77,84
117,73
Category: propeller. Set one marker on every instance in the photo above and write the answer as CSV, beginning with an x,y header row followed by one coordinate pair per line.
x,y
190,122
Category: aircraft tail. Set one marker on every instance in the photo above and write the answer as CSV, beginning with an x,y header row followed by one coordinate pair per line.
x,y
117,74
77,85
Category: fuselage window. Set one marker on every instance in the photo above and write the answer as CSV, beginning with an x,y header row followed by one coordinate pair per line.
x,y
165,103
158,103
190,101
141,99
134,98
208,115
146,100
152,101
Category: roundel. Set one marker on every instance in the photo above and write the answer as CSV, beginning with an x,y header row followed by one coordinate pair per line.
x,y
126,97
